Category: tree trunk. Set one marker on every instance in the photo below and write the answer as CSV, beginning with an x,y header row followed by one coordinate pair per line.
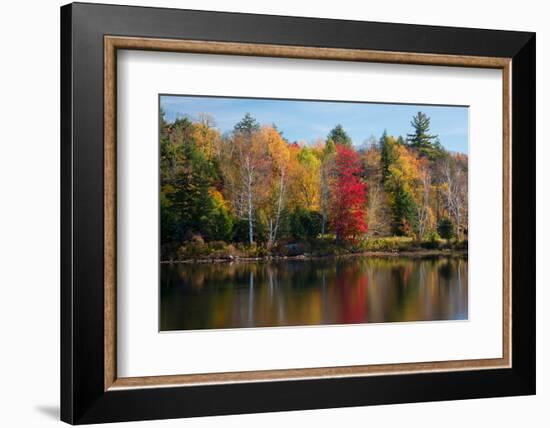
x,y
249,200
279,205
457,225
250,225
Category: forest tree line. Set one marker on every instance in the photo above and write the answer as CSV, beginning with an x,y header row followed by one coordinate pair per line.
x,y
253,188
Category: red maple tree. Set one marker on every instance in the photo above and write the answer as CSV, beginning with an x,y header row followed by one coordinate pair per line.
x,y
349,196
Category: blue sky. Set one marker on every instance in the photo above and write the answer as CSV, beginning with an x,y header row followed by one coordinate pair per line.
x,y
310,120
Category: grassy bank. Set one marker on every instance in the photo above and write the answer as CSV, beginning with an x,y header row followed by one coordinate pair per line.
x,y
324,246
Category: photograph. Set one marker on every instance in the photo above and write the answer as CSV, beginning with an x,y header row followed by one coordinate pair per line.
x,y
281,212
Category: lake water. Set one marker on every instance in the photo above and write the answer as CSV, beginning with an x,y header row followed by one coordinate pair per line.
x,y
349,290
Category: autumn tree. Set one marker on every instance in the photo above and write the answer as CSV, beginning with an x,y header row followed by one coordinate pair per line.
x,y
308,177
326,181
206,136
249,158
348,208
377,198
251,185
279,153
188,203
455,190
399,172
330,146
423,194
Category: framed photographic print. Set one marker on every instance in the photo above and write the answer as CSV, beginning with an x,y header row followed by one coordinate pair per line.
x,y
264,213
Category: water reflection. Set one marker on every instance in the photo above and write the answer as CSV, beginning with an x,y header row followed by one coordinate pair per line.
x,y
312,292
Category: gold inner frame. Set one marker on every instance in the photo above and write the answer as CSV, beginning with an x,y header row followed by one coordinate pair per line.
x,y
113,43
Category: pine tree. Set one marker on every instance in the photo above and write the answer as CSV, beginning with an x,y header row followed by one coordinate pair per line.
x,y
426,143
387,153
445,228
247,125
421,137
339,136
405,217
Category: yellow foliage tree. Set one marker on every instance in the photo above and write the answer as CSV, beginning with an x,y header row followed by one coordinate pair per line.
x,y
206,137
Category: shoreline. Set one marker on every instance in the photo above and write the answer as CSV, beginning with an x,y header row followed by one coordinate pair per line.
x,y
407,253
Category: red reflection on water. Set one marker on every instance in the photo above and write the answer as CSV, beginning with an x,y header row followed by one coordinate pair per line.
x,y
352,287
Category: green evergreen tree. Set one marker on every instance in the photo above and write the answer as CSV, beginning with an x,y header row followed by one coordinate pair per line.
x,y
339,136
387,153
187,206
305,224
421,137
426,143
405,217
445,228
173,139
193,199
218,224
247,125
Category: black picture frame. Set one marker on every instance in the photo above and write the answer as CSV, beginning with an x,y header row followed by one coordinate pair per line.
x,y
83,398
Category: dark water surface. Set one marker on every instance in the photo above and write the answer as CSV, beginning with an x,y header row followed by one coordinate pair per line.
x,y
313,292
